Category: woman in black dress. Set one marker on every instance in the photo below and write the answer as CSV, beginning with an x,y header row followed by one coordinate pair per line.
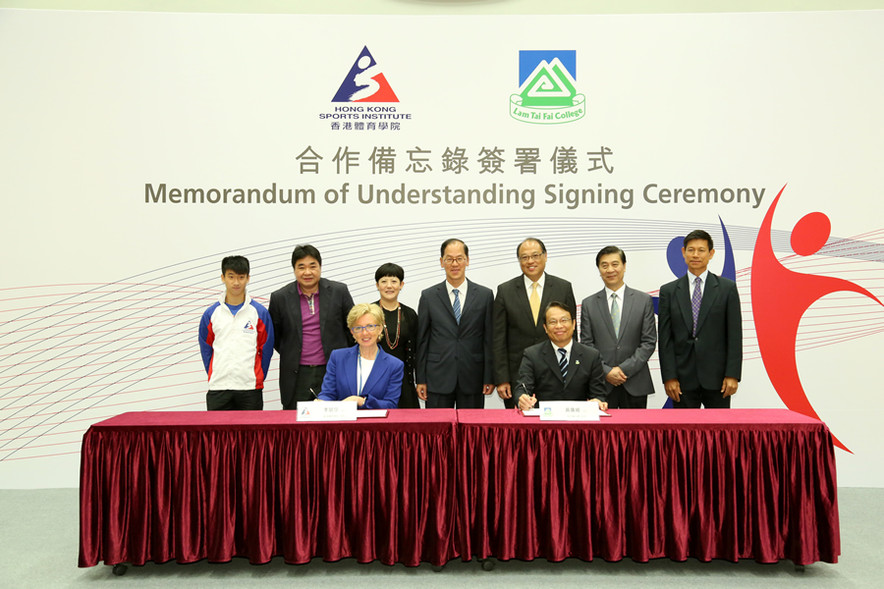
x,y
400,328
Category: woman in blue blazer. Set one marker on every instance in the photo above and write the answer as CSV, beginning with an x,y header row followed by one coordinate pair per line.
x,y
364,373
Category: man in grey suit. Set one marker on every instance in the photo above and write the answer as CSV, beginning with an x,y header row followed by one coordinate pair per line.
x,y
560,369
309,321
701,331
454,336
618,321
517,320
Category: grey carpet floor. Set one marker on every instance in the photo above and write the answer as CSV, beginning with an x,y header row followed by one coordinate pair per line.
x,y
39,539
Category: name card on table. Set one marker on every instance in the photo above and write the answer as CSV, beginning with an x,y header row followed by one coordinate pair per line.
x,y
327,411
569,411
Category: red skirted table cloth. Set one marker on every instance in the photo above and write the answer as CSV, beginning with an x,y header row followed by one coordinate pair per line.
x,y
188,486
710,484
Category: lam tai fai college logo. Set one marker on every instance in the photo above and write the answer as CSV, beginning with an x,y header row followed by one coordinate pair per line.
x,y
547,89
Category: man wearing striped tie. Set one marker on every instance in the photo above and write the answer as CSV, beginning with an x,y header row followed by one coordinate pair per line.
x,y
701,331
453,357
560,369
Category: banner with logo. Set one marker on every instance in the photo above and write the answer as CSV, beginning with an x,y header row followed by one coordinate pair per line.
x,y
139,149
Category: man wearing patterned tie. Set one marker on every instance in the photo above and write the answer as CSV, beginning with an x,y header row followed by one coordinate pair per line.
x,y
701,331
560,369
517,320
618,321
453,359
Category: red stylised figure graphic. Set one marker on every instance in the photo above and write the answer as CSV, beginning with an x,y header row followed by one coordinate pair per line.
x,y
780,298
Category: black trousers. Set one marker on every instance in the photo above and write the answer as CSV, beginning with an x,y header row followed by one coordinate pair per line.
x,y
232,400
618,398
460,399
308,386
708,398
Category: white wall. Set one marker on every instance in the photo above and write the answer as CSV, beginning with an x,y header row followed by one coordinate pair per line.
x,y
103,298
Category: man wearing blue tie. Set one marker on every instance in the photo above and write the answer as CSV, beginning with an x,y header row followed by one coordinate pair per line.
x,y
454,336
701,331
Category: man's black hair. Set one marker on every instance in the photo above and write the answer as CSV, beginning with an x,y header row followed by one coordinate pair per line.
x,y
239,265
447,242
304,251
698,234
610,249
560,305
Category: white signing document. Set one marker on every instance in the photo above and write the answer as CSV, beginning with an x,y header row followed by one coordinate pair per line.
x,y
569,411
326,411
371,413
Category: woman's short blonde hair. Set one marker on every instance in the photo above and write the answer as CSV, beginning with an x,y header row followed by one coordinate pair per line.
x,y
361,309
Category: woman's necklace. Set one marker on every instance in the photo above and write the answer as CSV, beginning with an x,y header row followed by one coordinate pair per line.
x,y
392,345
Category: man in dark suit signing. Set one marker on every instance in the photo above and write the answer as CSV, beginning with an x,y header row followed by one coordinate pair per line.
x,y
517,320
560,369
618,321
701,331
309,320
454,336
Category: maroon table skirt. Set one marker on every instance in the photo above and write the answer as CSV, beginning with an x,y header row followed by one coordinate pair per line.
x,y
710,484
188,486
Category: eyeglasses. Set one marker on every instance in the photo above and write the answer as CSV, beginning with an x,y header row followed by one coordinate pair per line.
x,y
564,321
458,259
530,257
357,329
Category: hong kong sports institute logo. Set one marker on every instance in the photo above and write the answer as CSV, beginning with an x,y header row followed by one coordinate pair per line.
x,y
547,89
365,82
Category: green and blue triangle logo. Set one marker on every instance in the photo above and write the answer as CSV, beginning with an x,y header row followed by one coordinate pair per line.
x,y
547,89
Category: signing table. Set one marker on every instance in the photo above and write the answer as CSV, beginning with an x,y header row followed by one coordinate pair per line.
x,y
429,486
187,486
728,484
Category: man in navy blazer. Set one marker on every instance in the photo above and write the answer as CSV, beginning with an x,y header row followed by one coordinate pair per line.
x,y
309,321
518,322
625,347
701,331
560,369
381,389
454,336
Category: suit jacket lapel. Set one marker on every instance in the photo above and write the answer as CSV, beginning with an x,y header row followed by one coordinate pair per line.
x,y
710,293
521,293
324,302
348,368
442,291
626,309
573,363
379,368
545,299
604,311
683,299
295,302
552,360
468,304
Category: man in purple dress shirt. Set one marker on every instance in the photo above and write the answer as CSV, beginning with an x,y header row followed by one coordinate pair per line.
x,y
309,320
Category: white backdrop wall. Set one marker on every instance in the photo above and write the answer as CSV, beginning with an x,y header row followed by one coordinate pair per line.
x,y
103,114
